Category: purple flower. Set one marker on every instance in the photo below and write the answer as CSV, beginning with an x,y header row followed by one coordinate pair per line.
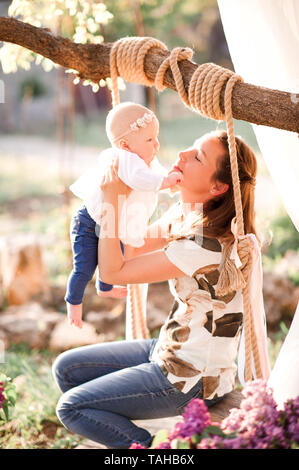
x,y
196,419
257,420
257,424
218,442
289,419
2,397
163,445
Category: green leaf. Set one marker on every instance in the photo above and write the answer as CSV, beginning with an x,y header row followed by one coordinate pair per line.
x,y
4,378
214,430
11,397
183,444
196,438
204,434
161,436
5,410
231,435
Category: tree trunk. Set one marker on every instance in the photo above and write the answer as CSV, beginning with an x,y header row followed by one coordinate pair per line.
x,y
250,103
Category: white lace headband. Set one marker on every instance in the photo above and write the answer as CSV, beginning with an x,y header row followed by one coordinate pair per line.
x,y
136,125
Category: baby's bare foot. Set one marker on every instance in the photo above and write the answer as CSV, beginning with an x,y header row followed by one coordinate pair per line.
x,y
74,314
115,292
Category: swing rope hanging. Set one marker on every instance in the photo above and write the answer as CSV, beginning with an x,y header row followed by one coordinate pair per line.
x,y
203,96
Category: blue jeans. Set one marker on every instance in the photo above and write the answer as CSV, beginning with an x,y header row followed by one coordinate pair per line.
x,y
107,385
84,238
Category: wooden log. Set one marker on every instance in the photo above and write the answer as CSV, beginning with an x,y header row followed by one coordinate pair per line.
x,y
250,103
221,410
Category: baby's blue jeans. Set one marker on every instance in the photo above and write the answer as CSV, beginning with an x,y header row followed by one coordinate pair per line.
x,y
84,234
106,386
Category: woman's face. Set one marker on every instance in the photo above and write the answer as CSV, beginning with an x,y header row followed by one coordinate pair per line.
x,y
198,164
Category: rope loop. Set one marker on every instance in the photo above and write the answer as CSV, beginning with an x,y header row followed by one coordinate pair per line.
x,y
127,61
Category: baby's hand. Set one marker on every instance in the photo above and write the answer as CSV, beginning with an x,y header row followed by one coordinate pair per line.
x,y
172,180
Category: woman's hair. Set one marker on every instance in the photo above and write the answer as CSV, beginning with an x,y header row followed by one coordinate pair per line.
x,y
219,211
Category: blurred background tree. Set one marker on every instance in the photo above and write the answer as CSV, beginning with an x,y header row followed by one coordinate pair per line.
x,y
78,20
185,22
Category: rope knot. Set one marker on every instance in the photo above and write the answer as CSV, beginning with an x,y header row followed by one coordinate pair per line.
x,y
176,55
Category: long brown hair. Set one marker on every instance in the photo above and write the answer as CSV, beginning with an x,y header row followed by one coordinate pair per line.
x,y
219,211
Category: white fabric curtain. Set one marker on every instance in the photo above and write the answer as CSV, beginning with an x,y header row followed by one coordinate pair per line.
x,y
263,40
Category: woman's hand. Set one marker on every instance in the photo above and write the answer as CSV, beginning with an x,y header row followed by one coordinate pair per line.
x,y
111,184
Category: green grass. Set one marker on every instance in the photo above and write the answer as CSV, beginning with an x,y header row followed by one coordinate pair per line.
x,y
33,423
30,177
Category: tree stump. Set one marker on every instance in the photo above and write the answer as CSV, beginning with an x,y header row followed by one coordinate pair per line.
x,y
22,271
221,410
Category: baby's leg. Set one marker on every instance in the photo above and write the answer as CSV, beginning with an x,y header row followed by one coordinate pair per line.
x,y
84,247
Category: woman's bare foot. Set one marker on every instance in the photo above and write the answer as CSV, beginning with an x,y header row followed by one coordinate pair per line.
x,y
115,292
74,314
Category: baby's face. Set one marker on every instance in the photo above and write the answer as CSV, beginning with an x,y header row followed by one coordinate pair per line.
x,y
145,142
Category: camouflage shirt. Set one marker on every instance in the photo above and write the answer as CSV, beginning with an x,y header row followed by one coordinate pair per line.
x,y
200,337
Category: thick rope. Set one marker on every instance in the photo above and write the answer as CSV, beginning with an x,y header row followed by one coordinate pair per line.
x,y
132,303
143,332
138,325
203,96
127,61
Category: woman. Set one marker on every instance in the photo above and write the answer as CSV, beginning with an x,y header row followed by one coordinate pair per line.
x,y
107,385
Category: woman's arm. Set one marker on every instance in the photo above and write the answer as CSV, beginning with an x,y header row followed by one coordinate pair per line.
x,y
155,239
114,268
147,268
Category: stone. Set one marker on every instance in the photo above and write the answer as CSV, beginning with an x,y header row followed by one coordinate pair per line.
x,y
23,274
95,303
221,410
29,323
111,324
279,298
4,342
65,336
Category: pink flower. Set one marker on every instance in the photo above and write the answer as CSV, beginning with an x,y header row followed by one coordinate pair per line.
x,y
2,397
136,445
257,420
163,445
257,424
196,419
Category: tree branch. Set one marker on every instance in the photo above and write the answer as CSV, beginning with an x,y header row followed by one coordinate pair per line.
x,y
250,103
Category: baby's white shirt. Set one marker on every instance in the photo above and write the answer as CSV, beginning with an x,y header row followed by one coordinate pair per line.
x,y
139,206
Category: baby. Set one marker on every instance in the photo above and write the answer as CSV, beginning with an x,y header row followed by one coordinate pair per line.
x,y
133,132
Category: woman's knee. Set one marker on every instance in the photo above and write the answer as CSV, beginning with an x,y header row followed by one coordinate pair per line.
x,y
60,367
65,408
